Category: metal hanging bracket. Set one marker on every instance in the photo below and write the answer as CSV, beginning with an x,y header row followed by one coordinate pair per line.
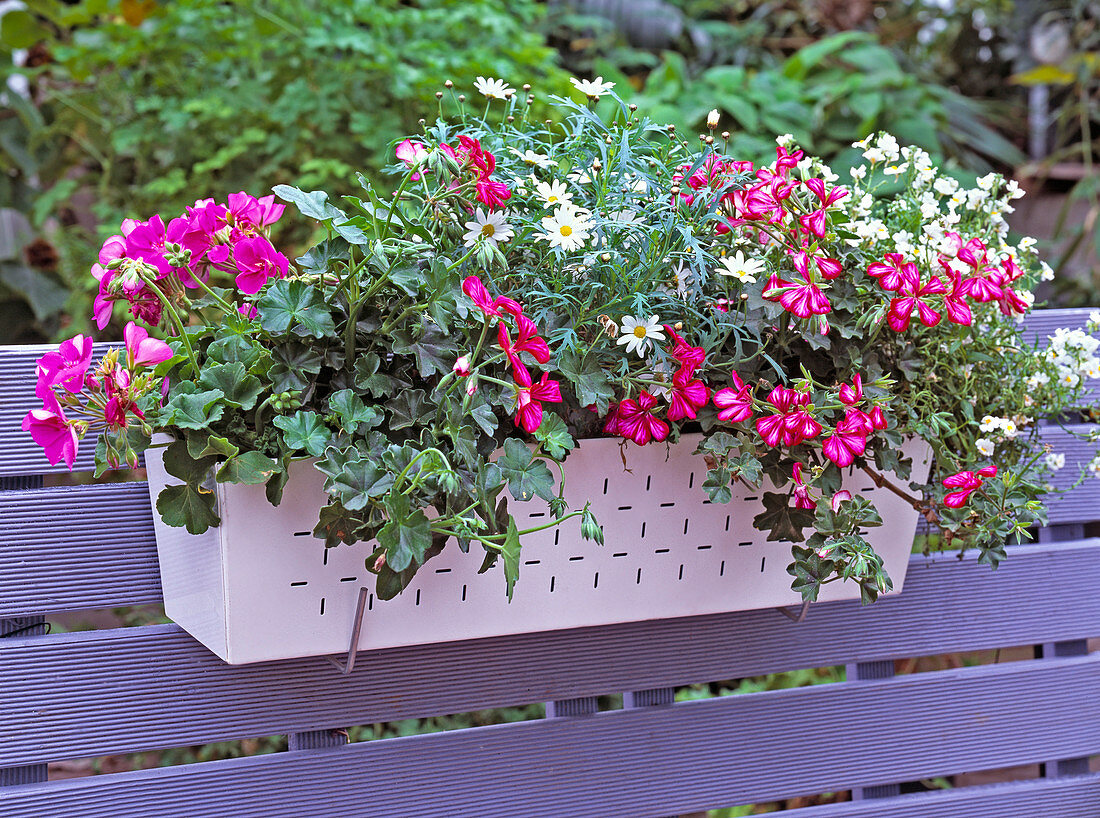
x,y
356,629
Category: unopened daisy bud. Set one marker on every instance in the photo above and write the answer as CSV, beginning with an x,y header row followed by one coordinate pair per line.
x,y
461,97
526,86
710,140
605,257
726,135
439,95
596,164
712,119
679,325
462,366
448,84
632,107
511,118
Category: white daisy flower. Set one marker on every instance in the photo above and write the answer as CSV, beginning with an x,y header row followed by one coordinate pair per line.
x,y
986,447
1055,461
579,176
743,269
489,227
568,228
493,88
638,333
593,89
537,160
553,193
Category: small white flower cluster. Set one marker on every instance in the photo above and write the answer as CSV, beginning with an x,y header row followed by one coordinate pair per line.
x,y
1073,353
1094,465
1055,460
1005,427
944,207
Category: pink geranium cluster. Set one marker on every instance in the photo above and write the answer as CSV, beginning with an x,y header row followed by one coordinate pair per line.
x,y
530,395
636,419
473,160
149,264
75,397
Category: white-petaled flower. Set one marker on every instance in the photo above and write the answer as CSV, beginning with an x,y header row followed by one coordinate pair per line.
x,y
639,334
1047,273
553,194
1008,429
493,88
986,447
945,186
536,160
986,182
858,173
896,170
593,89
784,140
888,144
490,227
712,119
989,423
579,176
1055,460
567,228
743,269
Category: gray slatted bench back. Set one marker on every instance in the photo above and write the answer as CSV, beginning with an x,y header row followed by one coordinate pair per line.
x,y
88,694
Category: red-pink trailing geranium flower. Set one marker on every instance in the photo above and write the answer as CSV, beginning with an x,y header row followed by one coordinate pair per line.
x,y
249,216
528,341
734,404
801,492
815,222
954,302
530,396
687,355
849,440
791,424
911,296
851,395
966,483
491,307
412,154
635,420
894,272
687,395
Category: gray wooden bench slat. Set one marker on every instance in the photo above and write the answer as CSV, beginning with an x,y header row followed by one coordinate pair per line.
x,y
140,688
1074,797
729,750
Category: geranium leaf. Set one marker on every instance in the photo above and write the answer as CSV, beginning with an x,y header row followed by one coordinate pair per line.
x,y
408,408
304,431
195,410
251,468
431,349
554,436
238,387
780,519
294,306
589,379
354,415
510,551
406,539
187,506
526,475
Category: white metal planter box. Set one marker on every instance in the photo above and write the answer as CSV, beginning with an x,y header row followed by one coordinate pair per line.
x,y
261,587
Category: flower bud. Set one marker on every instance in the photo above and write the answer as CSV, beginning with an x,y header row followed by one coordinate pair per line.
x,y
712,119
462,366
471,386
590,528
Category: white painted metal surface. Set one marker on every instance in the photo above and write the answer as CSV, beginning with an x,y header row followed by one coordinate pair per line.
x,y
261,587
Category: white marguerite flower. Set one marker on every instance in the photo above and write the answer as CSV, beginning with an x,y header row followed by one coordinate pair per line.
x,y
553,193
743,269
593,89
639,333
568,228
1055,460
535,160
986,447
493,88
490,227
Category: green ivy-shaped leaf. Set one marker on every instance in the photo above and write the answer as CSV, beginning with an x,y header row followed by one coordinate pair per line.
x,y
293,364
408,408
304,431
554,436
357,482
781,520
406,537
431,350
292,305
527,476
589,380
200,446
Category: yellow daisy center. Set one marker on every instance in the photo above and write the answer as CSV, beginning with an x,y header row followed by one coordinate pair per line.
x,y
565,230
639,332
488,230
551,199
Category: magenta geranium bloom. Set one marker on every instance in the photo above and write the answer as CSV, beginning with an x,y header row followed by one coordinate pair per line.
x,y
257,263
141,350
68,365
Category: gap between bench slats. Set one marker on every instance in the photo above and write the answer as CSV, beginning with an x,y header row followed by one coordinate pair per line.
x,y
738,749
20,455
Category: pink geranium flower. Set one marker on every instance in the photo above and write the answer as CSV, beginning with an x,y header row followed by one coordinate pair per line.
x,y
849,440
251,216
492,194
791,424
893,272
687,355
141,350
801,493
412,154
67,365
910,297
492,307
257,263
51,430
